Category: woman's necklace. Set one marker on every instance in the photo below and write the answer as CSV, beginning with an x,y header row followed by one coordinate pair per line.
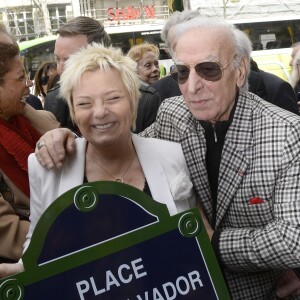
x,y
117,179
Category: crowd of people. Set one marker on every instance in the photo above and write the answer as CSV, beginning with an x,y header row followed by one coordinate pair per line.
x,y
230,129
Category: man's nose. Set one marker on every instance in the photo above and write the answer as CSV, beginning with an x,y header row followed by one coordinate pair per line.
x,y
194,81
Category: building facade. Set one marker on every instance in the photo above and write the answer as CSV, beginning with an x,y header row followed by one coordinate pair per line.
x,y
246,9
26,19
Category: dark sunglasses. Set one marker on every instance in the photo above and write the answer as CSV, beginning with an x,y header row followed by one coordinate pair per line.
x,y
44,80
208,70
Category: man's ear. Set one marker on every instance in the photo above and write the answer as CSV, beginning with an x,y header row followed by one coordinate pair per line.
x,y
242,71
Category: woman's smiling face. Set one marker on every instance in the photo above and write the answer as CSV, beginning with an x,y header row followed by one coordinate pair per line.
x,y
14,90
148,68
102,108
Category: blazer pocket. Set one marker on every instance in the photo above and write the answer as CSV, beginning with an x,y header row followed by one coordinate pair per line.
x,y
255,215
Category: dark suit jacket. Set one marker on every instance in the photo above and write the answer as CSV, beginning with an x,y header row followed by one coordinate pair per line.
x,y
257,85
148,106
167,88
35,102
280,92
297,91
59,107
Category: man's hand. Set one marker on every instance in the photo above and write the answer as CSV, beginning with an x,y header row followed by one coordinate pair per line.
x,y
288,285
53,146
10,269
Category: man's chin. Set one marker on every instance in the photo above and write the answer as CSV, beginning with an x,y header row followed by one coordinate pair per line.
x,y
201,114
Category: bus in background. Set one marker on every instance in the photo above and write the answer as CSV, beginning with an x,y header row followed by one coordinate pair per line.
x,y
270,32
36,51
271,38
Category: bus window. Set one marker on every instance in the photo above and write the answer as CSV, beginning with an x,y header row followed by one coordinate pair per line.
x,y
275,61
271,34
35,52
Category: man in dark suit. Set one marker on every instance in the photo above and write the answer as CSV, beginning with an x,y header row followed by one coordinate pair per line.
x,y
256,85
167,88
148,106
278,91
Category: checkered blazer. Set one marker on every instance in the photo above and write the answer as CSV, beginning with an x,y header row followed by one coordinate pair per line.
x,y
260,158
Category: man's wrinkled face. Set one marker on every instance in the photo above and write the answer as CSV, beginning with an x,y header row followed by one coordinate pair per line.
x,y
209,100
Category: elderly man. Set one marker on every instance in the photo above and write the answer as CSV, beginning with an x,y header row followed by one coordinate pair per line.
x,y
242,154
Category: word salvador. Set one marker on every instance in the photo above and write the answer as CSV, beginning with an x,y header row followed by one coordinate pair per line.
x,y
135,270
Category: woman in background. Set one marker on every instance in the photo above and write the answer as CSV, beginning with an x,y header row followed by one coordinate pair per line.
x,y
41,79
53,82
146,56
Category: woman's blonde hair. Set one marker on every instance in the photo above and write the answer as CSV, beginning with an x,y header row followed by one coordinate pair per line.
x,y
97,57
137,52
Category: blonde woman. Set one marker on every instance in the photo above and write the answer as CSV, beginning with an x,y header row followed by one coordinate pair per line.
x,y
105,113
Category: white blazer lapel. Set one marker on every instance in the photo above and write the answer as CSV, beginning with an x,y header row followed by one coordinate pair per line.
x,y
154,172
73,170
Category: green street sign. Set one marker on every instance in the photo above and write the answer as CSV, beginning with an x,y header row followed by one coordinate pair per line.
x,y
108,240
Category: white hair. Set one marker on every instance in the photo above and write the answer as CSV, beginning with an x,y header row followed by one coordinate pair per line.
x,y
240,41
176,18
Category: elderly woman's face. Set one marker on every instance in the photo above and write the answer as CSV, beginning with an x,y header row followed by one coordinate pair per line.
x,y
208,100
148,68
14,91
102,108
